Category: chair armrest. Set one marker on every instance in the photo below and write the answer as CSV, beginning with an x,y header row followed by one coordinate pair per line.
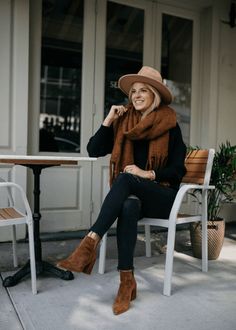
x,y
181,193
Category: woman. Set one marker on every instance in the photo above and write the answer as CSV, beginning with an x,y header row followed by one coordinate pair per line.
x,y
146,168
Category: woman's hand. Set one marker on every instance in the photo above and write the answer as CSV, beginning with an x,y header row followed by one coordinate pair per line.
x,y
135,170
115,112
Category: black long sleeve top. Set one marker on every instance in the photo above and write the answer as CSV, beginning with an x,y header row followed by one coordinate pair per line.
x,y
101,144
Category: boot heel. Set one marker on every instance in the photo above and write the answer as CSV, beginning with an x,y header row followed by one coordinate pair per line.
x,y
134,294
88,268
83,257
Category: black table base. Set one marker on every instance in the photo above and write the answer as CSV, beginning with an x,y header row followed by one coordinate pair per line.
x,y
41,267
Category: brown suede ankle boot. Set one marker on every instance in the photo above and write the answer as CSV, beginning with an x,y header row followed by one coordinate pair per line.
x,y
126,292
83,258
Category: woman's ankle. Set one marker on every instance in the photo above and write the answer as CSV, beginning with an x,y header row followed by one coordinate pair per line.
x,y
94,236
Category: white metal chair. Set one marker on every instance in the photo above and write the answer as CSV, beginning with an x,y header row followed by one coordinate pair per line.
x,y
199,164
11,216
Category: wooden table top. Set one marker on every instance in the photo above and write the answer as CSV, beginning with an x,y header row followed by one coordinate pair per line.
x,y
42,160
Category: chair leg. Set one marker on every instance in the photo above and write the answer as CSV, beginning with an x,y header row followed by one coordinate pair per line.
x,y
102,255
32,258
169,259
15,260
204,247
204,232
148,241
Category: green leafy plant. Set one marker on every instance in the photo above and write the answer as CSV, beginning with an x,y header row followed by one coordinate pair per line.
x,y
223,177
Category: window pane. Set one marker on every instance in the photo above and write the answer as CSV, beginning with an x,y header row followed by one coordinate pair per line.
x,y
60,108
124,48
176,66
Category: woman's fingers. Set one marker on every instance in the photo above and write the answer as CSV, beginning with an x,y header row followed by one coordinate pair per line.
x,y
115,112
133,169
119,111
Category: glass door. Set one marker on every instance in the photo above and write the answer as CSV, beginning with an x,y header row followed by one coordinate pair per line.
x,y
177,56
137,33
60,113
176,66
86,46
124,48
123,33
61,70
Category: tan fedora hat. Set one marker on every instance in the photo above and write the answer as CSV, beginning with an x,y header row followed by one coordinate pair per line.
x,y
149,76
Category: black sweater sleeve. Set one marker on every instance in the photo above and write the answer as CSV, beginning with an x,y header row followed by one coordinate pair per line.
x,y
101,143
174,170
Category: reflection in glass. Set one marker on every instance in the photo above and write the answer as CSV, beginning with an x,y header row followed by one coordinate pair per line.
x,y
124,48
60,94
176,66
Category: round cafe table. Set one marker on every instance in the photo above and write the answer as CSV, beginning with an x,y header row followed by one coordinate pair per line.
x,y
36,164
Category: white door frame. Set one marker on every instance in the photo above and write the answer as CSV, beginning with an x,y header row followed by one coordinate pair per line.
x,y
14,39
93,77
65,192
152,57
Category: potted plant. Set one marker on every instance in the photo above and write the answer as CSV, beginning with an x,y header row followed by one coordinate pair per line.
x,y
223,177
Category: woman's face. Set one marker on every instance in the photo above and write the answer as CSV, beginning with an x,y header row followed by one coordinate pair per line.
x,y
141,97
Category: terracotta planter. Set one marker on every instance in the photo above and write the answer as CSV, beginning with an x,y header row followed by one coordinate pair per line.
x,y
216,232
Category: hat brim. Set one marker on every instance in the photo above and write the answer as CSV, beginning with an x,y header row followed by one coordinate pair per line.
x,y
125,82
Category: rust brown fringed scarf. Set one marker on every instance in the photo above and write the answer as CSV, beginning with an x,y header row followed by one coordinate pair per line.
x,y
128,128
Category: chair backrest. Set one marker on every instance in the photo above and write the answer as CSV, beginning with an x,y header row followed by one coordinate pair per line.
x,y
199,165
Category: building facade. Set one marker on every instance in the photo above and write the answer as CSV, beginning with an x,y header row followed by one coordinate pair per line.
x,y
59,65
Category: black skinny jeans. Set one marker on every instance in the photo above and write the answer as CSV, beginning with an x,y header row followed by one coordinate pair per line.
x,y
153,200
